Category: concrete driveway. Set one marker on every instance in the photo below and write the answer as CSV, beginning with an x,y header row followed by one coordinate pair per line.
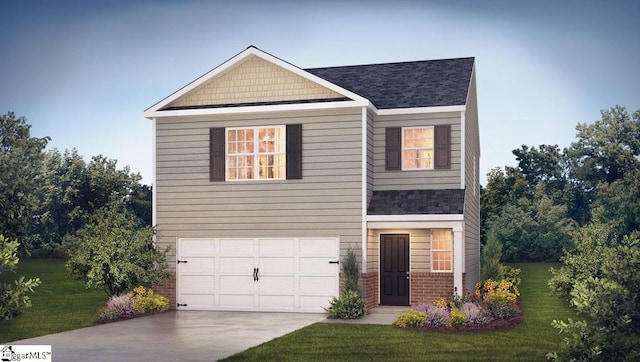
x,y
173,336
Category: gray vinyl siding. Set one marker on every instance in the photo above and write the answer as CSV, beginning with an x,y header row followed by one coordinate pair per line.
x,y
472,189
416,180
326,202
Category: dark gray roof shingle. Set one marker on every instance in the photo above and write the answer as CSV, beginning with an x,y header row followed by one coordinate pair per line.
x,y
417,202
428,83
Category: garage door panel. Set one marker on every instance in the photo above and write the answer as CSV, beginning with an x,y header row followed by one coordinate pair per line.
x,y
237,301
197,266
318,247
277,266
317,285
237,247
236,283
198,301
277,302
276,247
197,248
198,283
317,266
277,285
237,265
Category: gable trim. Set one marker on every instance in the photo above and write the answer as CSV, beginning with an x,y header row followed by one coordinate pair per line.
x,y
155,110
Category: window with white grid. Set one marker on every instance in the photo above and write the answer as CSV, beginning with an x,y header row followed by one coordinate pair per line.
x,y
442,251
256,153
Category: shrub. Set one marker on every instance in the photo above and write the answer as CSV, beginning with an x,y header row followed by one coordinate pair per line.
x,y
497,292
118,307
476,314
349,306
411,318
501,310
436,316
145,301
351,272
14,298
458,318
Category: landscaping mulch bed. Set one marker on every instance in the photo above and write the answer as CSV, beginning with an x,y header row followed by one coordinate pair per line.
x,y
491,326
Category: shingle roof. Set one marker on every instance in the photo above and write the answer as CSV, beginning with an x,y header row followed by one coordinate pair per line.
x,y
417,202
428,83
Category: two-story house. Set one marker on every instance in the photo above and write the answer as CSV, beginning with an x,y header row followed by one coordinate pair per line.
x,y
266,174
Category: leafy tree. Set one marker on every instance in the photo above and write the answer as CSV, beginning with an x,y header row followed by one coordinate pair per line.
x,y
600,279
140,202
20,159
71,190
13,296
115,252
503,188
535,230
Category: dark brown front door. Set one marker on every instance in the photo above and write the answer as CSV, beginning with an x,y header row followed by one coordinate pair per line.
x,y
394,269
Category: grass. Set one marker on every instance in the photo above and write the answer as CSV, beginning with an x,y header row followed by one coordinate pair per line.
x,y
529,341
58,304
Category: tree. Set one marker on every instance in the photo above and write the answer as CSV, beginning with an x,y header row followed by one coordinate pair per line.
x,y
490,265
535,230
70,190
20,160
600,279
13,296
115,252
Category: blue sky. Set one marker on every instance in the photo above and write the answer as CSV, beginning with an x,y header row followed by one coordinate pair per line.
x,y
83,72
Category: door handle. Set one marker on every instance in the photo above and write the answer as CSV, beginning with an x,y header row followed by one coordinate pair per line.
x,y
408,276
334,262
257,274
254,274
182,261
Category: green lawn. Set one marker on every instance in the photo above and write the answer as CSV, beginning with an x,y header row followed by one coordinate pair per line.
x,y
59,303
530,340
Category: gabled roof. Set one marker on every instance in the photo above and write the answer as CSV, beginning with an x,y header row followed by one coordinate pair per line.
x,y
427,83
417,202
386,86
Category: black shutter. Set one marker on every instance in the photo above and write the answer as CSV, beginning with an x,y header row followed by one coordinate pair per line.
x,y
442,147
393,148
216,154
294,151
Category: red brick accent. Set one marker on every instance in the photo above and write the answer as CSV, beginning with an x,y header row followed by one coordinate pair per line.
x,y
370,291
168,289
427,287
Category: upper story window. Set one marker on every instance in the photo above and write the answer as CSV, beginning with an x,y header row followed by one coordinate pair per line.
x,y
441,250
256,153
417,148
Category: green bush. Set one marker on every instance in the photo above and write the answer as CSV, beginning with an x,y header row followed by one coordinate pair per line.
x,y
145,301
458,318
349,306
14,298
411,318
351,273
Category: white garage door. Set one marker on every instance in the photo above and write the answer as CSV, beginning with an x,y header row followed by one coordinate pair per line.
x,y
261,274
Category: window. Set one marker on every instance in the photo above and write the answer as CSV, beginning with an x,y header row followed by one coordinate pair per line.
x,y
256,153
417,148
441,251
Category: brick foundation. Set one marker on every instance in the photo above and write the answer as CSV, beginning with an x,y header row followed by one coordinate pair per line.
x,y
369,282
427,287
168,289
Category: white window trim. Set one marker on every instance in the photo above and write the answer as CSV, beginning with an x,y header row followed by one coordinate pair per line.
x,y
450,250
402,149
255,147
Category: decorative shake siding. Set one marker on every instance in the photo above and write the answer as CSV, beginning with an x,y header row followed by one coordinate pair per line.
x,y
326,202
472,190
416,180
255,80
